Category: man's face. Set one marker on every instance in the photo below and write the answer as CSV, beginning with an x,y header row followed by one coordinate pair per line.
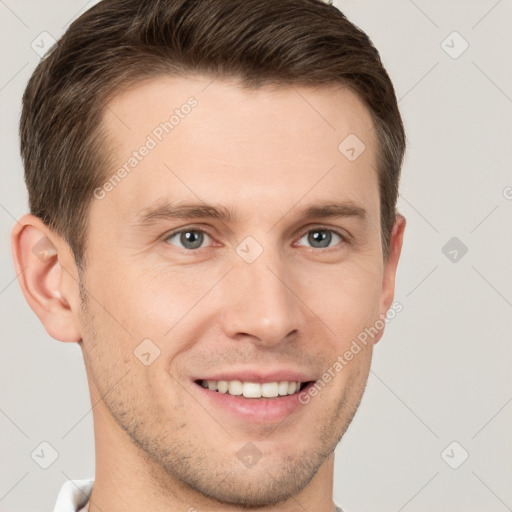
x,y
268,295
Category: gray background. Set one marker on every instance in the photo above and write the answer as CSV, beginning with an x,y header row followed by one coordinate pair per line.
x,y
442,371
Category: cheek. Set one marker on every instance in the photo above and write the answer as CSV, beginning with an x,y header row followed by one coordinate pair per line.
x,y
169,301
346,297
143,301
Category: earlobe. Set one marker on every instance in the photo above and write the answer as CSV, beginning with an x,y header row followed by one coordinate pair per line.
x,y
38,259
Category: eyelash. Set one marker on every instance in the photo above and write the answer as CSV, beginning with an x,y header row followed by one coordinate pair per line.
x,y
344,238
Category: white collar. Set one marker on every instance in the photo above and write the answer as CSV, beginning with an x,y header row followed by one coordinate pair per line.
x,y
74,496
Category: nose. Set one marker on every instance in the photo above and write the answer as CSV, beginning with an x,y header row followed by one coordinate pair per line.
x,y
261,304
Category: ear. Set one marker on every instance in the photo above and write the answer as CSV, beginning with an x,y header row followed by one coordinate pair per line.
x,y
390,266
48,276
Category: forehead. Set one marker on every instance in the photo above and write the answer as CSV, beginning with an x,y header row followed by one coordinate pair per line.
x,y
214,140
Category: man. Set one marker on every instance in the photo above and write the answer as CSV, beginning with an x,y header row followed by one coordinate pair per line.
x,y
212,189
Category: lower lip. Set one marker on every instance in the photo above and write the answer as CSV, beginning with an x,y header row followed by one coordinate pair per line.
x,y
255,410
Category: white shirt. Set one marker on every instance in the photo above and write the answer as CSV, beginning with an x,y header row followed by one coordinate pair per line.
x,y
74,496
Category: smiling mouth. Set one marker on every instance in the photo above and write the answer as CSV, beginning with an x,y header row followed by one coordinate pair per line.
x,y
254,390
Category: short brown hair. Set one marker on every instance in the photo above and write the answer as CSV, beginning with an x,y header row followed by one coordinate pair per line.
x,y
119,42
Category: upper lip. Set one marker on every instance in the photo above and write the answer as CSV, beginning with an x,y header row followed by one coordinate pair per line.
x,y
259,376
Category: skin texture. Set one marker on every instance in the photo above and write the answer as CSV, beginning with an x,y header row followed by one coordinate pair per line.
x,y
265,154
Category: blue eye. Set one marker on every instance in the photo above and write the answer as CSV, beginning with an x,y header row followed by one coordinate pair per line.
x,y
321,238
188,238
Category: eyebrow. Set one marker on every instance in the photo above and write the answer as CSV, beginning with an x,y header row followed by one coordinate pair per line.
x,y
333,210
168,211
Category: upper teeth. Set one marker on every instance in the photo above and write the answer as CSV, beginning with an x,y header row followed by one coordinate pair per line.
x,y
252,389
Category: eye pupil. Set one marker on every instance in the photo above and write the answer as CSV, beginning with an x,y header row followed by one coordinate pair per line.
x,y
191,239
320,238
